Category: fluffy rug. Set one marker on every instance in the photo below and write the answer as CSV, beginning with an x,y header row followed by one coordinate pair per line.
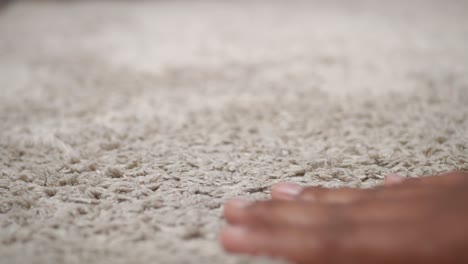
x,y
125,125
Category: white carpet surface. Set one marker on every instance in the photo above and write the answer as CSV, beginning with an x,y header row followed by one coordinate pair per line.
x,y
125,125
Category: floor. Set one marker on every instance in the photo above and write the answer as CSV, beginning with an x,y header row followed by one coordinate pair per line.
x,y
125,125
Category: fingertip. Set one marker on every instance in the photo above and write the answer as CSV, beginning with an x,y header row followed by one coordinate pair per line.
x,y
237,203
233,238
233,209
393,179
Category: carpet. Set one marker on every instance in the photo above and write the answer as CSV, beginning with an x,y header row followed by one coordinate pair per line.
x,y
125,125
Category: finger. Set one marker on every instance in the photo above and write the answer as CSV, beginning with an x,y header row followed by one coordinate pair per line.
x,y
273,212
305,214
234,210
292,191
362,244
403,187
340,195
285,191
286,242
441,180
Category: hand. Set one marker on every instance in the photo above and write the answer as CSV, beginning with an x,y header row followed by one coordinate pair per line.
x,y
416,220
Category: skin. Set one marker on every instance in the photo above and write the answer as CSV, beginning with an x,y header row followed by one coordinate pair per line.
x,y
407,220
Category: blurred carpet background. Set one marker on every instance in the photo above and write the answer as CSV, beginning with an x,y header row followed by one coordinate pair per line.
x,y
125,125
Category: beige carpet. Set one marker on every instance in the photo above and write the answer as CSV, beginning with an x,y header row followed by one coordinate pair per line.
x,y
125,125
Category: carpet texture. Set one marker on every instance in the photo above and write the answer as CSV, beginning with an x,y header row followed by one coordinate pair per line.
x,y
125,125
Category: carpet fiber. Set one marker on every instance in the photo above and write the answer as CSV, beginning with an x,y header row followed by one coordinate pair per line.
x,y
125,125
